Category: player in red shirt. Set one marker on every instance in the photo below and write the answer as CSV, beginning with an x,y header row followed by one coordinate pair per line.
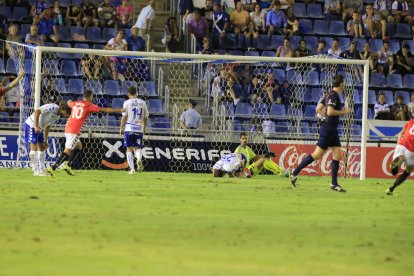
x,y
404,152
4,89
80,112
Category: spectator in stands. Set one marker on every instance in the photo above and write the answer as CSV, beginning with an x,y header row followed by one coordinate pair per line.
x,y
49,92
251,34
382,10
207,12
351,53
117,43
190,119
88,17
372,22
400,110
12,36
404,60
246,74
12,96
385,59
253,89
134,41
285,91
185,8
354,26
332,9
285,50
94,66
265,4
220,25
145,18
276,22
400,12
335,50
302,51
106,14
47,27
366,54
258,18
239,19
207,49
198,26
233,91
33,37
349,6
269,79
57,13
73,15
285,4
382,109
411,106
219,85
248,5
124,15
292,22
170,37
321,48
37,9
17,3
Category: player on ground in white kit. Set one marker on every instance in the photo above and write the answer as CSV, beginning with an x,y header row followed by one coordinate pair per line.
x,y
232,164
133,126
404,152
37,131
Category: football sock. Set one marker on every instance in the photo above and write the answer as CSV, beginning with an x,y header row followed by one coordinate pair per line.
x,y
130,159
42,157
138,154
62,158
273,167
335,168
33,158
305,162
73,156
399,180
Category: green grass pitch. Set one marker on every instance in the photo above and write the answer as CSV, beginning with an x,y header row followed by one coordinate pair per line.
x,y
112,223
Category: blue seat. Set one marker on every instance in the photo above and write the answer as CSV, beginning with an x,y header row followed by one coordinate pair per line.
x,y
59,85
356,130
76,30
80,46
299,10
260,109
409,81
360,44
306,26
294,41
336,27
263,42
229,41
63,33
94,85
220,51
309,111
279,74
311,78
243,110
75,86
227,109
344,42
357,97
65,3
6,11
236,53
405,95
68,68
372,97
294,77
295,112
389,97
108,33
19,13
112,122
155,106
321,27
314,10
370,114
268,54
375,44
410,43
161,123
304,128
66,55
11,66
111,87
283,127
117,103
252,53
147,88
311,42
316,94
98,46
394,81
77,2
395,45
4,117
127,84
51,67
377,80
127,32
403,31
28,68
276,41
94,34
277,110
2,69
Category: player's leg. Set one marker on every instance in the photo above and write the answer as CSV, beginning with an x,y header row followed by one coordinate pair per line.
x,y
130,159
397,159
42,158
400,179
31,138
74,153
408,158
270,165
71,141
336,158
315,155
137,151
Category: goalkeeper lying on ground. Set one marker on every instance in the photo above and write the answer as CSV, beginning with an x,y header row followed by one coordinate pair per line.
x,y
256,163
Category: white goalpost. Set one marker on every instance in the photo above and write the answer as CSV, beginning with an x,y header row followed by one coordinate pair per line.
x,y
168,80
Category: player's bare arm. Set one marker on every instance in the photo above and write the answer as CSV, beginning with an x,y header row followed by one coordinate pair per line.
x,y
15,81
332,112
112,110
36,120
122,126
46,135
145,125
320,109
400,135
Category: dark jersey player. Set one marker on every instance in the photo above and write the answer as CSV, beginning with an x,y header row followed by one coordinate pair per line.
x,y
328,135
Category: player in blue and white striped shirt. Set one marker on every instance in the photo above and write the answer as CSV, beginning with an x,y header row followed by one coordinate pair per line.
x,y
231,164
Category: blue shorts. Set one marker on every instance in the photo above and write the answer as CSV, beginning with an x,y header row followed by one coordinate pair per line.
x,y
31,136
328,136
133,139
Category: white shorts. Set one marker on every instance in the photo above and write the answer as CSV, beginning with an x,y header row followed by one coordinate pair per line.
x,y
71,140
400,150
227,167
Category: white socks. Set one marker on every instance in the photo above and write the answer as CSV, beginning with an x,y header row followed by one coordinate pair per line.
x,y
34,159
41,158
138,154
130,159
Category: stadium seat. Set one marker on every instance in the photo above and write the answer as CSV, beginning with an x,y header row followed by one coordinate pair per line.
x,y
66,55
4,117
126,84
316,94
394,45
2,70
321,27
77,2
252,53
51,67
268,54
394,81
63,33
311,78
405,95
229,41
410,43
279,74
19,13
276,41
10,67
263,42
336,27
294,41
309,112
314,10
375,44
65,3
75,86
304,128
236,53
277,111
306,26
127,32
356,130
389,97
117,103
372,97
294,77
360,42
59,85
282,127
370,114
243,110
220,51
311,43
147,88
109,33
24,29
295,113
227,108
94,34
307,98
409,81
403,31
98,46
390,30
68,68
155,106
76,30
357,97
344,42
6,11
300,9
377,80
260,109
161,123
80,46
28,69
112,122
95,86
111,88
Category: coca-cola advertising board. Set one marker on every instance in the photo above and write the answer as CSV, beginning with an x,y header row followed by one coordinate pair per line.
x,y
378,159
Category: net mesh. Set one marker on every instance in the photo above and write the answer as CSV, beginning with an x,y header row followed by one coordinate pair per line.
x,y
268,100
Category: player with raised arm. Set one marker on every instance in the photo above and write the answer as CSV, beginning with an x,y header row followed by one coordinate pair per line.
x,y
4,89
256,163
403,153
231,164
81,109
328,135
133,126
37,132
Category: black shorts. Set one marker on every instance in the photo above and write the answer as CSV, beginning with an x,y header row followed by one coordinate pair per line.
x,y
328,136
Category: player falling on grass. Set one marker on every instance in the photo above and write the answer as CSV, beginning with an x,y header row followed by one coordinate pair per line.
x,y
133,126
37,132
80,112
328,135
404,152
231,164
256,163
14,83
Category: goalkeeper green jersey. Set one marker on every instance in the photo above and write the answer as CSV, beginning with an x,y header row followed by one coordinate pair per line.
x,y
247,151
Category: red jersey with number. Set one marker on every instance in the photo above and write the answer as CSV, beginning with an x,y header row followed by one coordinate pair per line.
x,y
80,112
3,91
407,140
